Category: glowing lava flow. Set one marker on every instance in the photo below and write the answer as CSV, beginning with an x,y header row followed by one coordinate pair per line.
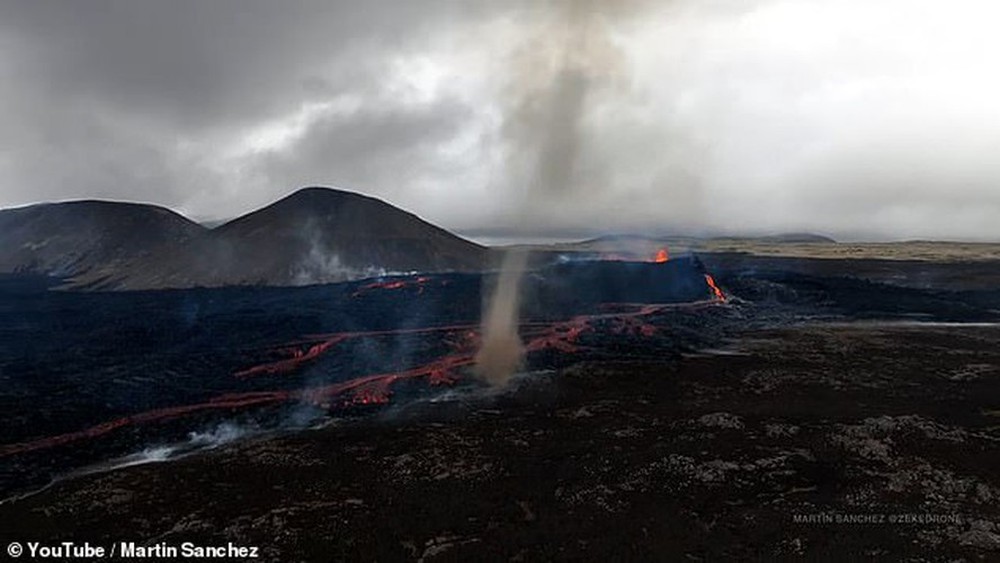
x,y
564,336
715,288
662,256
367,390
320,344
376,389
298,358
228,401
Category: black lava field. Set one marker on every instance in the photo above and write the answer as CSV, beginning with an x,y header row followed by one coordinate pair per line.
x,y
95,378
89,380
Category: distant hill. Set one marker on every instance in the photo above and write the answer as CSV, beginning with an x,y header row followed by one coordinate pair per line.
x,y
66,239
316,235
797,238
620,239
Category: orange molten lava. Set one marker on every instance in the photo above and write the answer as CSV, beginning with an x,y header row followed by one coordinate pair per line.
x,y
373,389
662,256
715,288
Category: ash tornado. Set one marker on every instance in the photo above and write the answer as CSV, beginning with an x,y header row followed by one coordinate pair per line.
x,y
501,352
566,58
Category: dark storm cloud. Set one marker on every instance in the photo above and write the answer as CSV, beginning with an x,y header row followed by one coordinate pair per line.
x,y
101,97
196,63
609,115
377,147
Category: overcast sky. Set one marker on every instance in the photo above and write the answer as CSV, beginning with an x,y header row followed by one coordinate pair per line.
x,y
856,118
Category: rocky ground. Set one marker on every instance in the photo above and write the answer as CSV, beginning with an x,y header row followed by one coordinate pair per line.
x,y
820,441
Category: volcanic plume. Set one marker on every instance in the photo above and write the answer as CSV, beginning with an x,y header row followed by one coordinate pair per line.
x,y
501,352
552,76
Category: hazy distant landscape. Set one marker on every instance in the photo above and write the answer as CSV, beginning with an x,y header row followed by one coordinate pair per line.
x,y
322,235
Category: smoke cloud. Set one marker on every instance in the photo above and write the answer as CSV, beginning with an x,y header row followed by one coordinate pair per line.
x,y
567,63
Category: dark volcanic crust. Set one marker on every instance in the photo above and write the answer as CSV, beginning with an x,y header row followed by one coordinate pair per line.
x,y
712,457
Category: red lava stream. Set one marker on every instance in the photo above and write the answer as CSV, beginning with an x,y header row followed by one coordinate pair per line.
x,y
370,389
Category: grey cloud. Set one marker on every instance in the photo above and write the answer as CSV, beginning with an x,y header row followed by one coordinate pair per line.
x,y
196,63
379,147
567,59
564,115
100,95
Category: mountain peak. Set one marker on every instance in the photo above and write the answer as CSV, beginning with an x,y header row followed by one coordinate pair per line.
x,y
93,206
313,235
321,194
73,237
